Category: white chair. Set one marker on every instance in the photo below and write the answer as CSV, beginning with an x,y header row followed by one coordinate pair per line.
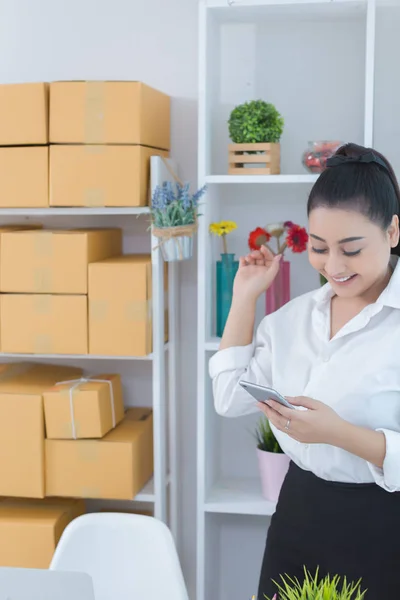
x,y
129,557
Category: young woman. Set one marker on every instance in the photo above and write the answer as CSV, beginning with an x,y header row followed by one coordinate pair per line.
x,y
333,353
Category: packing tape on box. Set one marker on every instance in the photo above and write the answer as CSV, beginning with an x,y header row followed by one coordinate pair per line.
x,y
42,344
43,243
94,197
42,304
135,310
94,112
138,310
43,280
74,384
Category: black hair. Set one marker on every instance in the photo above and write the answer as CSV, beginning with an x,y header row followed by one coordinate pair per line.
x,y
370,188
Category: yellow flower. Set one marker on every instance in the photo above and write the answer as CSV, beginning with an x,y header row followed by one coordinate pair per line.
x,y
223,227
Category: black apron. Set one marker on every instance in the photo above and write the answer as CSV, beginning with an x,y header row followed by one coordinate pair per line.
x,y
351,530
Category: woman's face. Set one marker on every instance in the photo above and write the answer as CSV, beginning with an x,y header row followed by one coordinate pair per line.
x,y
349,250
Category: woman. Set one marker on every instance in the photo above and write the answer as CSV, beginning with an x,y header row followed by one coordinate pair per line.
x,y
335,354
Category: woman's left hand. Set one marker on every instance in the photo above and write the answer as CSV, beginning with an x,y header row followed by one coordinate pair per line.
x,y
320,424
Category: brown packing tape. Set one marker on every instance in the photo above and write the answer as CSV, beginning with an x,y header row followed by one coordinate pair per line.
x,y
136,310
43,243
94,112
94,197
42,280
43,344
42,304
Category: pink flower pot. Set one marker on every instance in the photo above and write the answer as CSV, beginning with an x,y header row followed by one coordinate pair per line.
x,y
273,468
278,293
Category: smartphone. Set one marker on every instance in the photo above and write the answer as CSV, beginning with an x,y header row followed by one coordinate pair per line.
x,y
262,393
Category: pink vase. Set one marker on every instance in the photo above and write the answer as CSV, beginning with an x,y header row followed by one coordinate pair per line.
x,y
279,292
273,468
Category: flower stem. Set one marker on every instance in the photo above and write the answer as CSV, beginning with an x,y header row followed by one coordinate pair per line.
x,y
224,244
269,248
282,248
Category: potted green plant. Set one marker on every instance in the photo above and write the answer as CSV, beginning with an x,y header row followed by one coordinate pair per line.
x,y
255,129
174,212
273,464
314,588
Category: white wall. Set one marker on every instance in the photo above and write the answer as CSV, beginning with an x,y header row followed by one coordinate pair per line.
x,y
154,41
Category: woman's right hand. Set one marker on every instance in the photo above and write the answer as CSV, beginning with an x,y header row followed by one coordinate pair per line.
x,y
256,272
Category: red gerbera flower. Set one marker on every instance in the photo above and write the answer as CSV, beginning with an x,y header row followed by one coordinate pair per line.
x,y
297,238
257,238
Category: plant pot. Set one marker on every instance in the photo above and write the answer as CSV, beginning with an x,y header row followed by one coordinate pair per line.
x,y
273,468
278,293
177,248
226,271
176,243
254,159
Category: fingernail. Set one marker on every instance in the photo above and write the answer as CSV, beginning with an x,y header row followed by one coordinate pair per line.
x,y
278,257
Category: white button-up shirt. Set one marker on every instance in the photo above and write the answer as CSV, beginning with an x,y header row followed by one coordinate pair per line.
x,y
357,373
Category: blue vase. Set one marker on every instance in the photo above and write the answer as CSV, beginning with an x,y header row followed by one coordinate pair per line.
x,y
226,271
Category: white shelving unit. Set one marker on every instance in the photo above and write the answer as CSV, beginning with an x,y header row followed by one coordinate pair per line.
x,y
160,391
315,61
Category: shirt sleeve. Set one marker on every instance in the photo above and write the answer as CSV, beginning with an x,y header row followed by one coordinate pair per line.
x,y
389,476
228,366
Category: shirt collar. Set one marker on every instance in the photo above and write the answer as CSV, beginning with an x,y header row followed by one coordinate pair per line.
x,y
391,294
389,297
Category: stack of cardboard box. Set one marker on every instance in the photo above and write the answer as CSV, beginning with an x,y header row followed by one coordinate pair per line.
x,y
44,287
102,134
92,450
24,150
72,292
120,306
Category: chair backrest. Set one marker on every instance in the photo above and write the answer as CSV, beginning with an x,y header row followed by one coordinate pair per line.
x,y
129,557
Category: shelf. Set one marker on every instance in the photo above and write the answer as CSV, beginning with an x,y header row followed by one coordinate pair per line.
x,y
238,496
255,10
147,493
212,345
74,211
275,179
76,356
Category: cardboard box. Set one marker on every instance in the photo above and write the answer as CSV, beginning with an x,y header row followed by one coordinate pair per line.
x,y
24,177
23,114
120,306
53,262
109,112
22,426
43,324
115,467
97,407
30,530
100,175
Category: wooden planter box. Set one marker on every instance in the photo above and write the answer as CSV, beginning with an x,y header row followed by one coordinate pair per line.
x,y
265,162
